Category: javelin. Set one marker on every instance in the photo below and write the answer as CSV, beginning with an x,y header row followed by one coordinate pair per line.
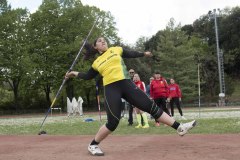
x,y
64,80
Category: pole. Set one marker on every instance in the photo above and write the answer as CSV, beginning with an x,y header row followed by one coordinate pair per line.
x,y
199,90
218,51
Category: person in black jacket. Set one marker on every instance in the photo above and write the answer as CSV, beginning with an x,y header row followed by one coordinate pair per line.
x,y
130,107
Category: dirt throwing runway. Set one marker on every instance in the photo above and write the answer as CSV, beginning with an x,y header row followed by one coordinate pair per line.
x,y
139,147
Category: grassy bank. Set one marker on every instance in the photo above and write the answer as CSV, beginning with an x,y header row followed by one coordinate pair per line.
x,y
209,122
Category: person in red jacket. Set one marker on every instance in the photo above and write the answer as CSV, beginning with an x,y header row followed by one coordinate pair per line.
x,y
139,113
174,97
159,92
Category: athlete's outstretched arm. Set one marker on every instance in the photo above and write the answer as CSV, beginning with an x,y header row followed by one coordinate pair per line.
x,y
135,54
89,75
86,76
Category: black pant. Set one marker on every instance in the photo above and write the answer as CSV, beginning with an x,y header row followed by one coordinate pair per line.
x,y
176,101
123,109
161,102
130,114
131,93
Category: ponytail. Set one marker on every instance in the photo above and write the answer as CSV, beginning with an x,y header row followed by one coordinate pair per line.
x,y
90,51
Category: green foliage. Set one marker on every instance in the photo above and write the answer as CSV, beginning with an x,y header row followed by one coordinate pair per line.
x,y
13,49
177,58
228,24
230,41
37,49
4,6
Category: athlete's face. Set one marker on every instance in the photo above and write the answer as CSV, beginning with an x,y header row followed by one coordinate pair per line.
x,y
101,45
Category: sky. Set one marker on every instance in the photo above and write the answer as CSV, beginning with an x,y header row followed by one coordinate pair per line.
x,y
137,18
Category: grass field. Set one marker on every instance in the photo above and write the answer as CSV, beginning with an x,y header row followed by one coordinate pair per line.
x,y
210,121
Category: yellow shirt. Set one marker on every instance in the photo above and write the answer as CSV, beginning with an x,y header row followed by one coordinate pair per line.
x,y
111,66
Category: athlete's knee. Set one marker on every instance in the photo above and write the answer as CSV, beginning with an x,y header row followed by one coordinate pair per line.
x,y
156,111
112,125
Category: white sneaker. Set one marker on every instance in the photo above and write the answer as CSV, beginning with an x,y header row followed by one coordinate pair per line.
x,y
183,118
95,150
185,127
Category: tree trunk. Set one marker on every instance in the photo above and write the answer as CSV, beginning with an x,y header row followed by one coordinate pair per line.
x,y
14,85
47,90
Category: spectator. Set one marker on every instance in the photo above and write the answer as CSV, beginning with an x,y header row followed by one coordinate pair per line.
x,y
130,107
139,113
175,97
159,92
148,86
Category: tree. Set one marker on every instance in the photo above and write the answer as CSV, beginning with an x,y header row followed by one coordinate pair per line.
x,y
230,40
188,29
58,29
4,6
228,25
45,45
175,53
13,50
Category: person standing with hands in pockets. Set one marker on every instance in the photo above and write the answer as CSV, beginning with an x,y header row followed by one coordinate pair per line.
x,y
174,97
117,84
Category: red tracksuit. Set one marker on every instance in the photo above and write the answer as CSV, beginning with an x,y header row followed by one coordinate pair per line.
x,y
174,95
159,92
159,89
141,85
174,91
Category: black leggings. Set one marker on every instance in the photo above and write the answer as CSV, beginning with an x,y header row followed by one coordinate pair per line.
x,y
176,101
131,93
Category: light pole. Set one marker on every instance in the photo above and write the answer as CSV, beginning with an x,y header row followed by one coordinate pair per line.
x,y
199,88
214,16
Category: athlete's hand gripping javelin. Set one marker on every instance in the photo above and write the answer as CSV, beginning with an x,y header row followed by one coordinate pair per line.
x,y
71,74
